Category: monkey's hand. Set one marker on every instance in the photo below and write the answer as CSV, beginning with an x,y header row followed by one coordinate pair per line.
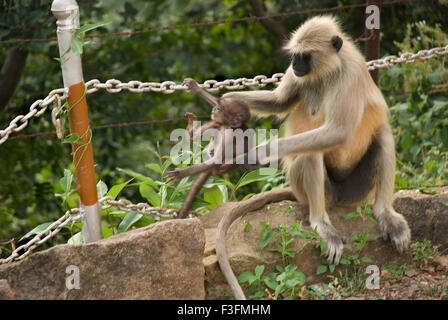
x,y
190,116
191,84
176,175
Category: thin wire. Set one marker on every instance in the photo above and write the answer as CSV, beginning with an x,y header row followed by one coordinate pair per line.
x,y
216,22
113,125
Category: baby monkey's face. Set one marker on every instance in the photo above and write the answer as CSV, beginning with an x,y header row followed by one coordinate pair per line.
x,y
230,112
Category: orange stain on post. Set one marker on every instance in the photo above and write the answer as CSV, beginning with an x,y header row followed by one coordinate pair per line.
x,y
82,154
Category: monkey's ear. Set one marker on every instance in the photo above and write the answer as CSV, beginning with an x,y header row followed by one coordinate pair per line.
x,y
336,42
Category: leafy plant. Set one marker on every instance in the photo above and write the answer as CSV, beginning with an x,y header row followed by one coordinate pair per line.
x,y
424,252
364,211
254,281
396,272
266,234
78,40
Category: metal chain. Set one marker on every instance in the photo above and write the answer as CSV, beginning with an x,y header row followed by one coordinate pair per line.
x,y
407,57
142,208
107,202
36,110
168,87
113,86
43,236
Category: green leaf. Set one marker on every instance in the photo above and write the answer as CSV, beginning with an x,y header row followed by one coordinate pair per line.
x,y
352,215
444,136
247,196
279,268
101,189
270,281
72,139
344,261
66,181
37,230
76,46
213,196
366,259
247,226
116,189
259,271
245,277
267,236
321,269
131,218
76,239
88,27
154,167
406,140
106,232
147,192
400,183
428,191
257,175
331,267
140,177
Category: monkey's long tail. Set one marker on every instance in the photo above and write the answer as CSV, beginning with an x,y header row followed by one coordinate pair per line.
x,y
197,185
254,203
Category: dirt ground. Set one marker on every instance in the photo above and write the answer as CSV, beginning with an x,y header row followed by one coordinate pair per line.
x,y
417,282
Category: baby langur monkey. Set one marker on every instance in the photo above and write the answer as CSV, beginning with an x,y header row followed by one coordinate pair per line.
x,y
227,114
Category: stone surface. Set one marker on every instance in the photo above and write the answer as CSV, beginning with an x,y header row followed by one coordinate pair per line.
x,y
427,217
161,261
5,290
426,214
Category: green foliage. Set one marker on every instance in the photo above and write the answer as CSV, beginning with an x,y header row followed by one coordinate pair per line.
x,y
349,282
364,212
286,280
266,235
420,113
424,252
255,283
396,272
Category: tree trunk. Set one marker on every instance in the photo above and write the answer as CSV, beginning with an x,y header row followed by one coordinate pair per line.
x,y
10,74
277,29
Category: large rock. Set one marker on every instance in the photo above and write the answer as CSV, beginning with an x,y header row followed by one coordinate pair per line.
x,y
161,261
426,214
427,217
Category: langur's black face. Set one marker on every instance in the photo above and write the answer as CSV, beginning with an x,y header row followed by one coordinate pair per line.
x,y
301,64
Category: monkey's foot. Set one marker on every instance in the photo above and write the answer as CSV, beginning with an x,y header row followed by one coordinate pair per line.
x,y
335,241
175,176
394,226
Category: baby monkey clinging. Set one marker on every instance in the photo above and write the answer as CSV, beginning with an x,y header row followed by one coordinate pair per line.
x,y
227,113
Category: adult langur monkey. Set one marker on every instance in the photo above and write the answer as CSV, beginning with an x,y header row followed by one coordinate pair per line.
x,y
338,144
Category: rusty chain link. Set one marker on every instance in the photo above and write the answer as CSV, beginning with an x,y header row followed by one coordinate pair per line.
x,y
106,203
57,96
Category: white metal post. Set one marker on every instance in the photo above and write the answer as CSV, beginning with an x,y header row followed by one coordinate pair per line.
x,y
67,15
